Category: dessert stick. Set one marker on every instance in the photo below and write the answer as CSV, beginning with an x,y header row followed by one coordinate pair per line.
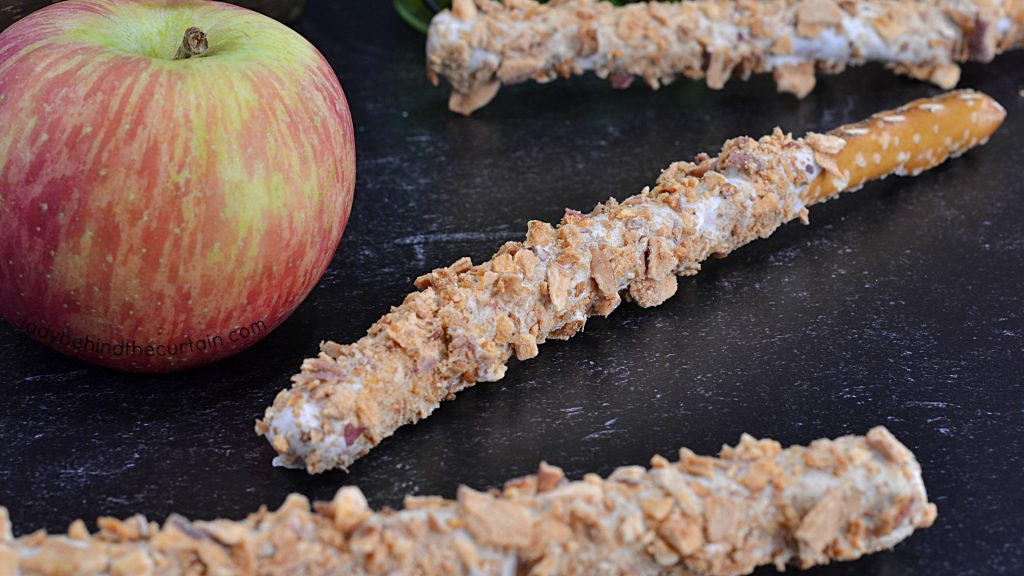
x,y
465,321
481,45
757,504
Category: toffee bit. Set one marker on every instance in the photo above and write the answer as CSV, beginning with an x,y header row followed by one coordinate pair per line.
x,y
466,321
757,505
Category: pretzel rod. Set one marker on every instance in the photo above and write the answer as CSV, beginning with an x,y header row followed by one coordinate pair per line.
x,y
756,505
466,321
480,45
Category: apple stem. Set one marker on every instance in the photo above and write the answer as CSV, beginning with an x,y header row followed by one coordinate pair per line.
x,y
193,44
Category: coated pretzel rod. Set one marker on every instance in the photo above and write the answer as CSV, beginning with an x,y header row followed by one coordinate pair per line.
x,y
757,504
465,321
481,45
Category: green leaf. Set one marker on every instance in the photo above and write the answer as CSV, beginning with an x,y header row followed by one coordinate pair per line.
x,y
417,13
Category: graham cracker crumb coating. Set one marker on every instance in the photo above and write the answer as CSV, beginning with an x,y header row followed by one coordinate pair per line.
x,y
481,45
756,504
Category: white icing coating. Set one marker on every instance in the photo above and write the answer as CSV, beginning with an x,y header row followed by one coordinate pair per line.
x,y
707,218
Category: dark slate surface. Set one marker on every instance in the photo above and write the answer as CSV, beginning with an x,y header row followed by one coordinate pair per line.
x,y
899,305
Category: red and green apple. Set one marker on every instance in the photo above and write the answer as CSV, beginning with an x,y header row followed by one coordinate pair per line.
x,y
161,208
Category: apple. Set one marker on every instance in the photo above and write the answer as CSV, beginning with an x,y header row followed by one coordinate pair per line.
x,y
175,176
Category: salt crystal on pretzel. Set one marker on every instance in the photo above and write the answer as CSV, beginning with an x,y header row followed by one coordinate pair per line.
x,y
466,321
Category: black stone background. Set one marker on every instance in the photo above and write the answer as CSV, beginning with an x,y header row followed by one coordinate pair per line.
x,y
899,305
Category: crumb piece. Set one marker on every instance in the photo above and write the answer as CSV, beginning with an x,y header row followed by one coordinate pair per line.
x,y
822,524
5,526
466,102
796,79
601,272
546,567
495,522
78,531
656,508
525,346
813,16
721,519
683,534
464,10
653,292
558,287
134,563
825,143
760,474
461,265
663,555
549,477
828,164
696,465
886,444
411,502
349,508
527,262
504,329
931,512
540,233
783,46
888,26
661,260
